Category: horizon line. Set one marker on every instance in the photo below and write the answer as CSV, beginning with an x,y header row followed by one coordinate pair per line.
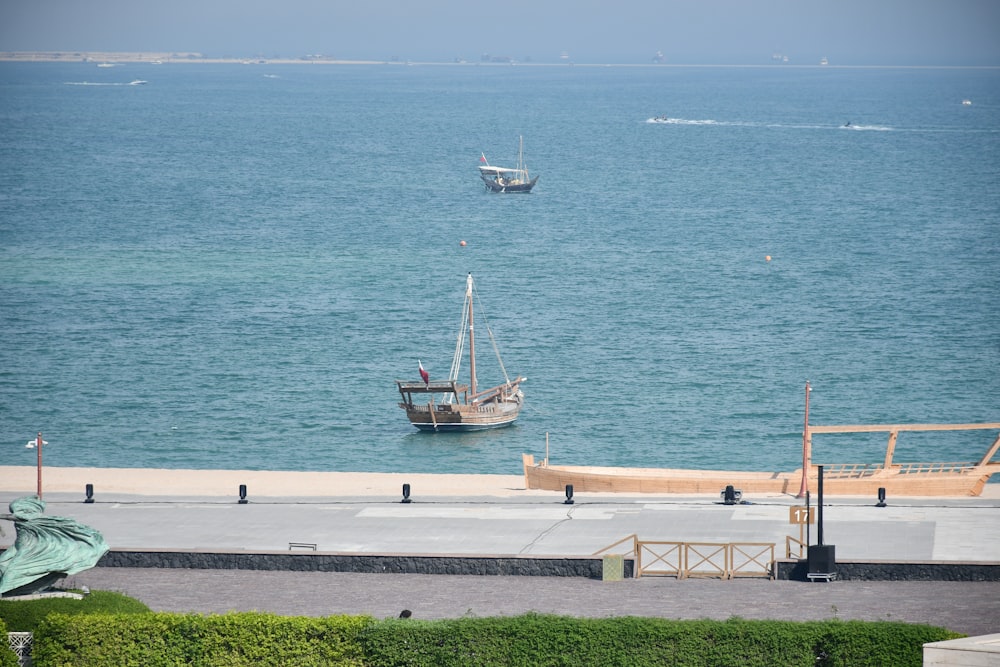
x,y
173,57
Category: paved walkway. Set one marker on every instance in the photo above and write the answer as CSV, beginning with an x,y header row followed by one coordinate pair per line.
x,y
533,523
972,608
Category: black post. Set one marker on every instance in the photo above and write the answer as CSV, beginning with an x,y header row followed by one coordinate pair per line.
x,y
819,524
822,557
243,494
90,493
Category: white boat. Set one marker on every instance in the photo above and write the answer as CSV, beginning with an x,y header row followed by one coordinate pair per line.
x,y
138,82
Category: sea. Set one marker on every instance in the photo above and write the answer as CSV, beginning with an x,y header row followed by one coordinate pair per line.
x,y
229,265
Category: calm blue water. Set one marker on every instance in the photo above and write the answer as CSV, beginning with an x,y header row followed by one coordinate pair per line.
x,y
229,266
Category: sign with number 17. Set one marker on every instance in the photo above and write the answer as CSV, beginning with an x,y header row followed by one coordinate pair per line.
x,y
801,515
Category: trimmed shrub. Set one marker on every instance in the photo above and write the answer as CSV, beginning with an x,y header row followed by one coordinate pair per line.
x,y
25,615
238,639
540,640
231,640
879,643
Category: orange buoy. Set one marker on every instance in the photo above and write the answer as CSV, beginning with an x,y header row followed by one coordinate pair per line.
x,y
767,257
461,243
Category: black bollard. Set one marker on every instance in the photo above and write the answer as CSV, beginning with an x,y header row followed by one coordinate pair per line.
x,y
243,494
90,493
569,495
406,494
822,557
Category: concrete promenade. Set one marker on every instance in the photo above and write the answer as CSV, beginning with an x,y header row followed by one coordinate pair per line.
x,y
361,513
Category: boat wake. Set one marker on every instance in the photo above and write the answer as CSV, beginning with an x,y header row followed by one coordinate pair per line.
x,y
137,82
867,128
666,120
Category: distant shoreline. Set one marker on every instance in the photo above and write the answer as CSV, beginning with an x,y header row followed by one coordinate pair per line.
x,y
156,58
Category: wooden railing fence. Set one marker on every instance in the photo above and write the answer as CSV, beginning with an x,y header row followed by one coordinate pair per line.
x,y
726,560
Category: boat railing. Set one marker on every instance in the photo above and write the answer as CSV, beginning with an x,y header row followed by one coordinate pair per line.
x,y
931,468
860,470
504,391
429,407
851,470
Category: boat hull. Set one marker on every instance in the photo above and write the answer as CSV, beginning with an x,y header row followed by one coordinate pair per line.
x,y
494,186
969,482
458,418
460,428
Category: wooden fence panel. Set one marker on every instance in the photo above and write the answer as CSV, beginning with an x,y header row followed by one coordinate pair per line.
x,y
751,559
706,559
660,558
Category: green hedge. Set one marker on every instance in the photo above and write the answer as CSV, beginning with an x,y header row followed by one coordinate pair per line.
x,y
7,657
25,615
532,640
232,640
538,640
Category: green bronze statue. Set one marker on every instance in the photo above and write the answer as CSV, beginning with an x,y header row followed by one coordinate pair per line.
x,y
46,549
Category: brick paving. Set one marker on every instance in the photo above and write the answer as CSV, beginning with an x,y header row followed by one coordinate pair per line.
x,y
972,608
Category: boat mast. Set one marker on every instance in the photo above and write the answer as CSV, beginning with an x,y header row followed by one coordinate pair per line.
x,y
520,159
472,338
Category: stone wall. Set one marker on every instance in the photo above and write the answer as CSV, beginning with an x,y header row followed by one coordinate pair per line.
x,y
533,566
312,561
797,570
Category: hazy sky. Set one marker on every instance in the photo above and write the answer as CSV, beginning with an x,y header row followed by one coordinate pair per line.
x,y
849,32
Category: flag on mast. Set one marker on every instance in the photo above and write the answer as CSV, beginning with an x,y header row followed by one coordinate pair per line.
x,y
424,375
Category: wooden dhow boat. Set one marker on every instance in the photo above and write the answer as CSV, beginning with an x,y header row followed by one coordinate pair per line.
x,y
454,406
506,179
850,479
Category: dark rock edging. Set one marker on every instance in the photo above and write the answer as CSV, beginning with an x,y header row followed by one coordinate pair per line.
x,y
796,570
535,566
499,565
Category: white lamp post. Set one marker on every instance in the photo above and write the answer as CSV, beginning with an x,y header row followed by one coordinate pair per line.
x,y
37,444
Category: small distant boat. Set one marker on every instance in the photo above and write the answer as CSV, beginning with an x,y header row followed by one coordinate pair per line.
x,y
138,82
452,406
967,103
105,64
504,179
